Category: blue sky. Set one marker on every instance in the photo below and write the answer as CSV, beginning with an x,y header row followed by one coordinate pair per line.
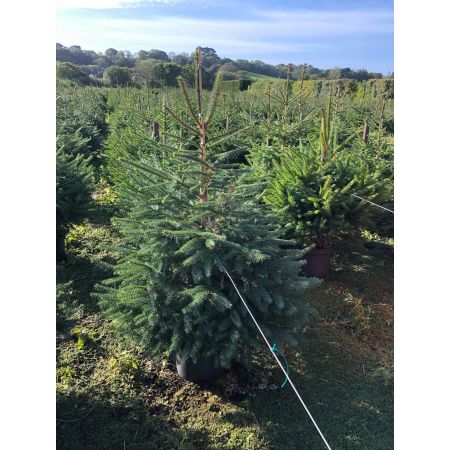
x,y
324,33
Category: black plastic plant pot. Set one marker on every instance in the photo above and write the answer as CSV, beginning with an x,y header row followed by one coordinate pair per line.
x,y
318,263
203,370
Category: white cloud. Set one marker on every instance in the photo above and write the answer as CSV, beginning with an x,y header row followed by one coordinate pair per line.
x,y
116,4
95,4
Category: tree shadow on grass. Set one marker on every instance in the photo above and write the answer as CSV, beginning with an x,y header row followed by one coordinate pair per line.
x,y
89,422
353,411
76,280
86,423
365,268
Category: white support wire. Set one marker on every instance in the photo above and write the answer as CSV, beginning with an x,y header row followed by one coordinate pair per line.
x,y
372,203
276,358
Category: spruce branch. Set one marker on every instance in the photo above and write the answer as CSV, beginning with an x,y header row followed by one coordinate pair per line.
x,y
198,160
214,98
182,139
198,78
336,149
164,118
275,97
217,139
182,85
158,173
180,121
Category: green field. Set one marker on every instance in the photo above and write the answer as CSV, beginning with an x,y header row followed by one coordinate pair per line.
x,y
259,77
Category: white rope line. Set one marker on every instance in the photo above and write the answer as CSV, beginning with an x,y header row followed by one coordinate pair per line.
x,y
276,358
372,203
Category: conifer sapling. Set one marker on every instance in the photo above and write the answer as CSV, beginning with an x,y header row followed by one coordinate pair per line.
x,y
185,206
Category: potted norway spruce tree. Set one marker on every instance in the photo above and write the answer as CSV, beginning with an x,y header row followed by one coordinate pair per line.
x,y
185,211
313,189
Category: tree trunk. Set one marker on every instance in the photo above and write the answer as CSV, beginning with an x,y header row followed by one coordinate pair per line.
x,y
366,133
155,131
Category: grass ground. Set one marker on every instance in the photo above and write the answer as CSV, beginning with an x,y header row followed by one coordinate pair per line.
x,y
109,397
259,77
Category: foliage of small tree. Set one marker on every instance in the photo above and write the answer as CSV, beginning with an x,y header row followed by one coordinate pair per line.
x,y
158,55
74,55
166,74
74,180
117,76
92,69
207,52
188,73
334,74
181,59
69,71
111,52
313,200
185,209
144,71
153,73
80,120
312,188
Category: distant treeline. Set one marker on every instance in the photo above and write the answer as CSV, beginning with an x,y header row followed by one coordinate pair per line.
x,y
156,68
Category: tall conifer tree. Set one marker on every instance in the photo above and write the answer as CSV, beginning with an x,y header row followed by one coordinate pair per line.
x,y
184,207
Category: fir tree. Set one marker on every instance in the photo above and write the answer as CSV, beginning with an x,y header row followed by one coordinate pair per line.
x,y
80,121
74,177
310,188
183,208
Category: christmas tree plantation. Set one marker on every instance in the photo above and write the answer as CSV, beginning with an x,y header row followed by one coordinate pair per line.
x,y
184,206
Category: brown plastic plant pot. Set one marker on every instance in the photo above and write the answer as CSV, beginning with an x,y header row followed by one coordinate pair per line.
x,y
318,263
203,370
